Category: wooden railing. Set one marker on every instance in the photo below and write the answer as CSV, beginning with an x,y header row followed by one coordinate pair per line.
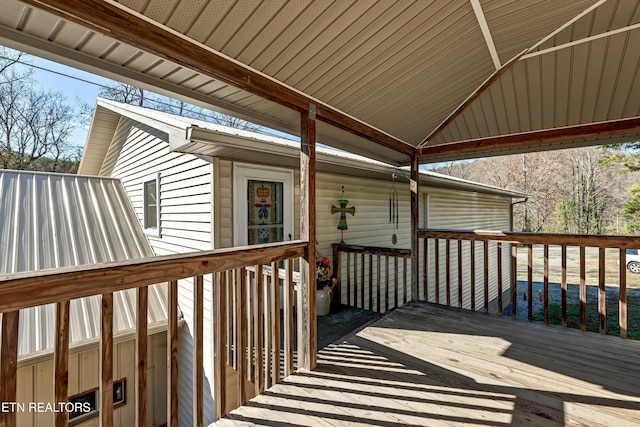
x,y
373,278
492,256
247,330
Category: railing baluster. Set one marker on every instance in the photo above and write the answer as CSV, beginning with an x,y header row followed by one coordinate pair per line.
x,y
395,282
61,361
514,280
9,365
219,342
472,256
546,284
499,272
249,279
529,282
622,307
425,268
355,280
275,304
141,356
106,361
371,282
563,287
387,299
486,276
436,256
602,296
362,281
198,351
378,283
258,325
583,290
404,280
349,279
172,348
337,290
241,333
288,319
459,273
268,335
448,271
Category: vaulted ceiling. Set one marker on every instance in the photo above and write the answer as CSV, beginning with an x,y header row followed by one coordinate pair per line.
x,y
456,79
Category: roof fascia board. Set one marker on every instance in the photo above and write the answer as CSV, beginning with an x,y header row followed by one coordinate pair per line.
x,y
136,30
521,141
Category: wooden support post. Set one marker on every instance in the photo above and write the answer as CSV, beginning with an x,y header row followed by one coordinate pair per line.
x,y
172,354
9,365
258,325
61,361
106,361
141,356
415,204
307,321
198,351
219,344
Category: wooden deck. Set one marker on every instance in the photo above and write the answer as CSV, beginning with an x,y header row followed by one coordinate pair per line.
x,y
433,366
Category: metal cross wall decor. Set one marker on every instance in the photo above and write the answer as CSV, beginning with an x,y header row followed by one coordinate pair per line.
x,y
343,210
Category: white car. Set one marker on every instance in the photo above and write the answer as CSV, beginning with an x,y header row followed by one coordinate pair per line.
x,y
633,261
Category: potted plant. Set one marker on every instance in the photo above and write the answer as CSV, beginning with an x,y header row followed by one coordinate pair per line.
x,y
323,286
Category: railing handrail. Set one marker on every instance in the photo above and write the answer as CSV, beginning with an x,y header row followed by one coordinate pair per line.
x,y
591,240
22,290
373,250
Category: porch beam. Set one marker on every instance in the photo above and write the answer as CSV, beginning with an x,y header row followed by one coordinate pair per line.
x,y
307,291
138,31
484,146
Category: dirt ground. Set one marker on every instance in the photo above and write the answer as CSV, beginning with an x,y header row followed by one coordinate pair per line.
x,y
573,266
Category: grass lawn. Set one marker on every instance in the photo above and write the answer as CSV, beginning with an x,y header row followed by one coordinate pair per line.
x,y
613,328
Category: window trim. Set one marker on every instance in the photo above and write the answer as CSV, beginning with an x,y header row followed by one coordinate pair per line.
x,y
155,232
242,174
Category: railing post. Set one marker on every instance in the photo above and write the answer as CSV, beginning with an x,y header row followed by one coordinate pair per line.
x,y
337,290
142,304
219,344
172,353
106,361
307,290
415,203
198,351
9,365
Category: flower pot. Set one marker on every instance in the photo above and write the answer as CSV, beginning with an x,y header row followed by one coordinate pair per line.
x,y
323,301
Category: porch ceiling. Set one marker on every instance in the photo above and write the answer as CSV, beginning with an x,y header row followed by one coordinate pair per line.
x,y
421,73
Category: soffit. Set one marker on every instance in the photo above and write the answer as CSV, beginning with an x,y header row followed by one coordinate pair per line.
x,y
402,67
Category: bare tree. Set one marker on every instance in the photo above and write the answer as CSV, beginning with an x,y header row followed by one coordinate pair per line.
x,y
34,123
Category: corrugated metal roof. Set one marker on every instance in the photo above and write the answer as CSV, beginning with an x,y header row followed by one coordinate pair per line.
x,y
400,66
56,220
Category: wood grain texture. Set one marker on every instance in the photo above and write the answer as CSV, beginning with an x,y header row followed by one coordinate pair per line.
x,y
448,271
622,302
55,285
61,361
563,286
219,345
288,319
258,328
472,273
142,357
602,292
9,365
485,273
514,281
198,351
275,326
583,290
106,361
545,284
530,283
431,365
459,245
436,258
500,276
414,189
173,388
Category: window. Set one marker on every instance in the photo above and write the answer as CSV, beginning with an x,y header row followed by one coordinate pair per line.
x,y
150,205
263,204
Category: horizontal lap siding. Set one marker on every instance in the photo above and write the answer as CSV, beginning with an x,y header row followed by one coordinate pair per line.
x,y
137,154
457,210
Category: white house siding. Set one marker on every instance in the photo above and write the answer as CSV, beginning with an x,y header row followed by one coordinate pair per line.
x,y
35,382
458,210
186,192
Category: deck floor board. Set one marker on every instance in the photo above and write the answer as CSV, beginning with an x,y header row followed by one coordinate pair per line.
x,y
428,365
